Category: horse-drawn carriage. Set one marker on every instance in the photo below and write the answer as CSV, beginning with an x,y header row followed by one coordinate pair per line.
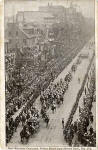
x,y
30,128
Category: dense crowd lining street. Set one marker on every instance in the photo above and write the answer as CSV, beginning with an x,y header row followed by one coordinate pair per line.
x,y
43,80
53,133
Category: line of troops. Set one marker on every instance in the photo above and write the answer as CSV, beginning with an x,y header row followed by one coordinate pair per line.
x,y
81,131
29,117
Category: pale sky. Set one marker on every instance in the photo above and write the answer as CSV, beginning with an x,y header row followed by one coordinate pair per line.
x,y
12,6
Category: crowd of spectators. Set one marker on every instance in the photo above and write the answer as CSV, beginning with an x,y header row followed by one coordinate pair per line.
x,y
53,95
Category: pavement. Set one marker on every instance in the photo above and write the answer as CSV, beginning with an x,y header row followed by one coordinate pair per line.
x,y
53,134
81,103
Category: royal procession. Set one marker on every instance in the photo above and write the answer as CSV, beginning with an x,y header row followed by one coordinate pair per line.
x,y
50,82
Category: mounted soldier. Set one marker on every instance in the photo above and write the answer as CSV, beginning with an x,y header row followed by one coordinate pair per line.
x,y
47,121
53,107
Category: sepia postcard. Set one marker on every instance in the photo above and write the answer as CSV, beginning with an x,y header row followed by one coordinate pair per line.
x,y
48,70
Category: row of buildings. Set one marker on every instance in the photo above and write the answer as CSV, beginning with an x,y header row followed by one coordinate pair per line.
x,y
39,36
34,28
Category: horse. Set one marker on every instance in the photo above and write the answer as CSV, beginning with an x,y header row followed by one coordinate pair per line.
x,y
53,108
61,99
43,113
46,120
36,125
23,119
58,101
17,121
24,134
31,130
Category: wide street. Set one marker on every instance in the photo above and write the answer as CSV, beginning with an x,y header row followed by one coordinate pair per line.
x,y
53,134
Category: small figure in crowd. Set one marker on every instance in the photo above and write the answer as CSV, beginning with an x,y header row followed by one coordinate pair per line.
x,y
63,123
